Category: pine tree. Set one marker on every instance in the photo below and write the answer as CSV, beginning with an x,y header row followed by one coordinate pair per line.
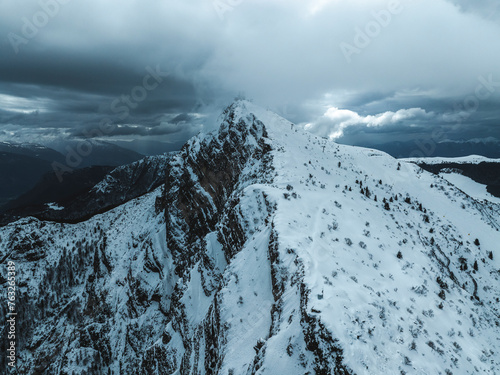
x,y
367,192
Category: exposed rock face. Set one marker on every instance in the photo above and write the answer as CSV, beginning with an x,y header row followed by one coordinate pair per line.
x,y
204,183
265,252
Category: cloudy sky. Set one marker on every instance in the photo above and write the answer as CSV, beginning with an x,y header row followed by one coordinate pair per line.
x,y
355,71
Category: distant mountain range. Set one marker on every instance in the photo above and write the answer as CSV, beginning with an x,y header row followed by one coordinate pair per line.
x,y
149,147
87,191
489,147
22,166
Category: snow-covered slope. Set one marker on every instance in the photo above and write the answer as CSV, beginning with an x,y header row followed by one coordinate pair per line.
x,y
475,175
268,251
469,186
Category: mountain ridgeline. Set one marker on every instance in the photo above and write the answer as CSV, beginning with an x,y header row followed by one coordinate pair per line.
x,y
266,250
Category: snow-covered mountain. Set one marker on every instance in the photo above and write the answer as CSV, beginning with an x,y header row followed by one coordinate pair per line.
x,y
31,149
471,159
489,147
267,251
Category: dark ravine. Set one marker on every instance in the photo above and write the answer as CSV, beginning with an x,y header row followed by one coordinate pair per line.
x,y
87,192
484,173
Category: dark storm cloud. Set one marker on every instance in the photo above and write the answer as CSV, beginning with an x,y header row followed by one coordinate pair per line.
x,y
182,117
488,9
422,64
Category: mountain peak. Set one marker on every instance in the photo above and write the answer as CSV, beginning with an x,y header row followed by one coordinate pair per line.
x,y
268,250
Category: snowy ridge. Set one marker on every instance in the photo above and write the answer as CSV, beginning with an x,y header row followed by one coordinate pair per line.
x,y
113,178
268,251
27,146
469,186
471,159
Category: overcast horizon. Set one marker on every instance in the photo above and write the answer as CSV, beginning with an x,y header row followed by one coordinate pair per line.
x,y
357,72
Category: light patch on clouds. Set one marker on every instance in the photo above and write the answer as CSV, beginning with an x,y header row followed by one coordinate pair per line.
x,y
283,54
334,121
22,105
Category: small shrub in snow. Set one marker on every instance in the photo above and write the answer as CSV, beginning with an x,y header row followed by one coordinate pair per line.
x,y
348,241
441,283
333,226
